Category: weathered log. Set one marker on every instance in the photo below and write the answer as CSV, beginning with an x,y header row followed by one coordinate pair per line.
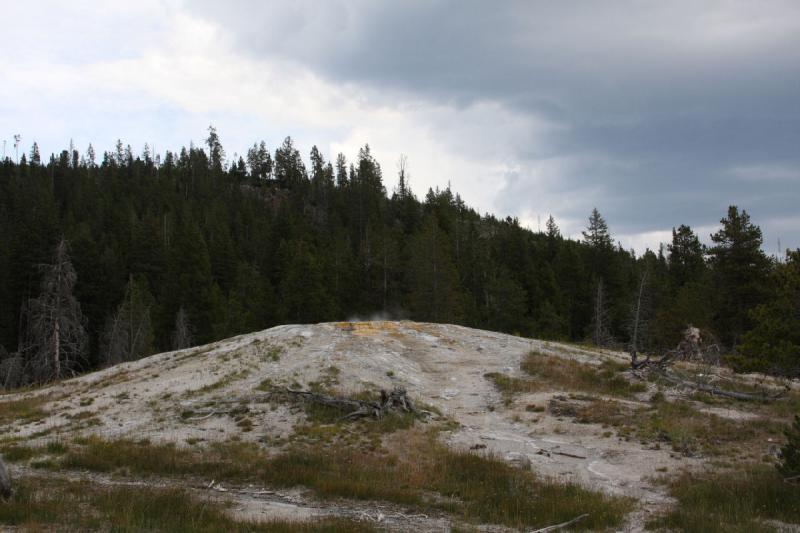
x,y
5,481
562,525
736,395
395,401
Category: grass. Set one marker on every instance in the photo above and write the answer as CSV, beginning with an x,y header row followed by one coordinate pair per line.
x,y
474,487
737,501
549,373
676,423
25,409
558,373
40,503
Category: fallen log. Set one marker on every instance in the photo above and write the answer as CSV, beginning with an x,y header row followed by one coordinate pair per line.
x,y
5,482
562,525
715,391
395,401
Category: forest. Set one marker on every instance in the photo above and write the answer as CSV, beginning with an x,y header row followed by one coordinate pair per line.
x,y
108,260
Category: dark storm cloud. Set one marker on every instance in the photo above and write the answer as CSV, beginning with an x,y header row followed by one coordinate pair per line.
x,y
659,105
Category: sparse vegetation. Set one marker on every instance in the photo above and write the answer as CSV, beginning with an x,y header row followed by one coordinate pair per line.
x,y
22,410
477,488
560,373
735,501
675,423
549,373
45,503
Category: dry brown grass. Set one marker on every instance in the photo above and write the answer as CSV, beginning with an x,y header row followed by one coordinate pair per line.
x,y
679,425
25,409
555,373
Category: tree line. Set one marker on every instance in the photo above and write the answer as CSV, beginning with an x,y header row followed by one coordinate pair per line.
x,y
111,260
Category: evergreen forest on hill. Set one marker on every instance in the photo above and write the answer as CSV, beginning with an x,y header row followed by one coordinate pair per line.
x,y
125,254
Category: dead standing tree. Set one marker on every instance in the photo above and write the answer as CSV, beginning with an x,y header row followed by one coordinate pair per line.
x,y
54,339
5,481
638,321
182,336
600,333
129,334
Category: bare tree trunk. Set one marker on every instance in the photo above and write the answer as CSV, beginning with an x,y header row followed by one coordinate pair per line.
x,y
5,481
637,316
57,335
53,340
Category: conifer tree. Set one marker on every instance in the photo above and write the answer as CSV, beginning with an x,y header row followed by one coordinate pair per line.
x,y
432,278
740,273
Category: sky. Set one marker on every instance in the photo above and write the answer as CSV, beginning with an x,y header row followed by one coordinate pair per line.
x,y
657,113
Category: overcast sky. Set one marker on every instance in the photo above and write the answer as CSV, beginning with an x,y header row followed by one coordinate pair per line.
x,y
658,113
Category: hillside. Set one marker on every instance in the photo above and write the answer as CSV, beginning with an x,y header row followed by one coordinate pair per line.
x,y
568,413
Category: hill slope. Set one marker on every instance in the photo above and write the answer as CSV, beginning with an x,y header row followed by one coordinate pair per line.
x,y
559,409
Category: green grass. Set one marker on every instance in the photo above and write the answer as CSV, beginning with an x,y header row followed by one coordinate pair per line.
x,y
40,503
474,487
737,501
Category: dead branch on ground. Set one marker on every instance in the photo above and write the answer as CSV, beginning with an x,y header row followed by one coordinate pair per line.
x,y
561,525
691,348
395,401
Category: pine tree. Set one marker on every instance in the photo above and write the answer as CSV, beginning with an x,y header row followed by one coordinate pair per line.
x,y
596,234
432,278
686,261
36,159
740,271
216,154
774,342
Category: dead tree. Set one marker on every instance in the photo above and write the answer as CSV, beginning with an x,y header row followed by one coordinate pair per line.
x,y
129,333
5,481
11,370
691,349
600,333
54,340
183,335
637,320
